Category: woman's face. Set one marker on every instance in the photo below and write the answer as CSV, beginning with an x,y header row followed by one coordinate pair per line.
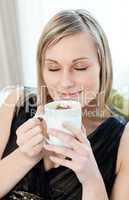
x,y
71,69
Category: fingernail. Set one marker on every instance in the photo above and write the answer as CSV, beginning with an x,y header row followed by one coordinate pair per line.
x,y
40,119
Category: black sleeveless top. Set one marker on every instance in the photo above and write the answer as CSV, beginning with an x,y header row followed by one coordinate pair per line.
x,y
61,183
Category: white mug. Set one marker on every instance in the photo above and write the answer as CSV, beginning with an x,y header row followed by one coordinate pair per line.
x,y
57,112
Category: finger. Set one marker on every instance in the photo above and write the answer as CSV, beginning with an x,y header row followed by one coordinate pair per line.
x,y
38,148
46,153
79,134
83,130
39,110
23,138
35,141
85,135
65,152
29,124
26,126
63,162
34,145
32,151
43,124
66,139
39,115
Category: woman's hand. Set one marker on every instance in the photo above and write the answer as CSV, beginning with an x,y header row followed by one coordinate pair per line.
x,y
30,137
81,159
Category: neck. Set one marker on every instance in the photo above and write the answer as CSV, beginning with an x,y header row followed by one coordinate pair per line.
x,y
92,117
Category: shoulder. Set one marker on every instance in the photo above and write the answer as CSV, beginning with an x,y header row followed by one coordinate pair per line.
x,y
120,188
27,104
123,157
17,96
13,100
9,98
8,101
10,95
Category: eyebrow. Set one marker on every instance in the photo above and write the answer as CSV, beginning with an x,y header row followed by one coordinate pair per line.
x,y
75,60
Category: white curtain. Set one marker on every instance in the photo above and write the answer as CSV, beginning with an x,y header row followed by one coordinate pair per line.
x,y
10,55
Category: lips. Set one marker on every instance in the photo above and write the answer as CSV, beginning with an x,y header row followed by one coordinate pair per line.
x,y
70,95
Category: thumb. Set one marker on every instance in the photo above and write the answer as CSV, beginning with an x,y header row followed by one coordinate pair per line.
x,y
39,110
39,115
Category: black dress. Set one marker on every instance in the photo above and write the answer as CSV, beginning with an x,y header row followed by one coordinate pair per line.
x,y
61,183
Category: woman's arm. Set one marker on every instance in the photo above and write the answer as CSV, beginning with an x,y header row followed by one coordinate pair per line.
x,y
12,169
8,101
121,185
14,166
95,190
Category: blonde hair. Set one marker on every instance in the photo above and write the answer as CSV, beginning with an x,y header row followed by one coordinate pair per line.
x,y
70,22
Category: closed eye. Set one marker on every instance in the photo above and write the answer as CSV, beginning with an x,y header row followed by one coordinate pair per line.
x,y
78,69
81,69
53,70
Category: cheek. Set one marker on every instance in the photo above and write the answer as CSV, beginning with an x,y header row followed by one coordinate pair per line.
x,y
90,85
51,83
90,82
50,79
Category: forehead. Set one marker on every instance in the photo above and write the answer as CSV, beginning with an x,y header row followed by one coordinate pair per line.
x,y
77,45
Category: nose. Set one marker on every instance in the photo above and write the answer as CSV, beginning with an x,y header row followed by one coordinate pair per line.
x,y
67,80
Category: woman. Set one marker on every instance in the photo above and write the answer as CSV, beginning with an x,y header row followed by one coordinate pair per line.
x,y
74,62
